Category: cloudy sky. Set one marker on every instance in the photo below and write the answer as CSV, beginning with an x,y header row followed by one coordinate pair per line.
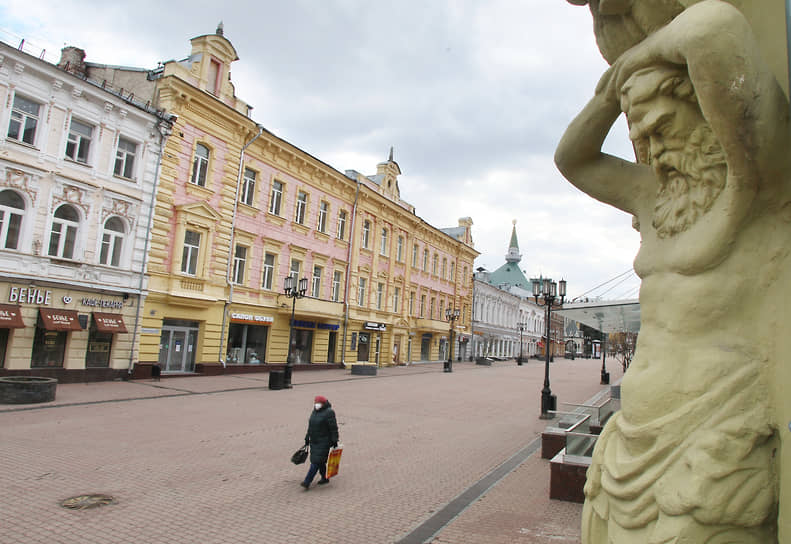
x,y
473,96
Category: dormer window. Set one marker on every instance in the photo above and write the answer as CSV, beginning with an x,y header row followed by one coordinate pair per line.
x,y
213,81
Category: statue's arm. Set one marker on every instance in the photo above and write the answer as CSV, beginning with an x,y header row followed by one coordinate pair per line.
x,y
579,157
737,92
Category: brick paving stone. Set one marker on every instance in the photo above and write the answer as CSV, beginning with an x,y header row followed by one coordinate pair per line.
x,y
206,459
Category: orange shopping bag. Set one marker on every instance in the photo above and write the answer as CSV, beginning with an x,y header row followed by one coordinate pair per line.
x,y
333,461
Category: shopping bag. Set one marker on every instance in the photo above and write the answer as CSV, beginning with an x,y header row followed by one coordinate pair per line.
x,y
300,455
333,461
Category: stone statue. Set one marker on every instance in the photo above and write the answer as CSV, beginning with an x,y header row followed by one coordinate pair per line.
x,y
690,457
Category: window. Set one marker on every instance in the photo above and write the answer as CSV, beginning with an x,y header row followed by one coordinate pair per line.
x,y
444,268
302,204
189,256
269,271
383,244
239,261
316,287
431,307
422,305
366,233
336,286
435,264
63,236
400,249
414,256
361,292
248,187
213,80
24,120
452,271
412,303
112,242
380,295
294,272
12,209
125,159
79,142
397,299
464,276
341,224
276,198
425,260
322,223
200,165
441,309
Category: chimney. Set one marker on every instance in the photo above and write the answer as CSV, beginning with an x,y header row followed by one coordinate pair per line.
x,y
72,60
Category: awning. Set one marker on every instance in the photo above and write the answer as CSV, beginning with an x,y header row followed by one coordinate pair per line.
x,y
10,317
59,320
605,316
111,323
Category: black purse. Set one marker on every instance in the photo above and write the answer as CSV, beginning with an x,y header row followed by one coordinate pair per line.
x,y
300,456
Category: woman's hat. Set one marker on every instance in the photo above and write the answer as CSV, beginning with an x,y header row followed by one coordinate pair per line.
x,y
320,399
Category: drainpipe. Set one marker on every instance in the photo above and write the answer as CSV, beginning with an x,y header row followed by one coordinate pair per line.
x,y
165,127
348,274
233,239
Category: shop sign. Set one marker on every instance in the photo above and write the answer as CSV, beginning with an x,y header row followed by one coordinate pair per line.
x,y
374,326
327,327
29,295
252,318
304,324
102,303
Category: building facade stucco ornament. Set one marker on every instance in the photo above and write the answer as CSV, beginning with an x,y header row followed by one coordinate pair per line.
x,y
692,455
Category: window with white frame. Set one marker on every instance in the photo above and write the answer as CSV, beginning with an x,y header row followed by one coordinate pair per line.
x,y
400,249
302,204
239,262
24,120
276,198
341,224
422,305
324,209
336,286
189,255
444,268
12,211
315,290
248,187
435,264
452,271
366,233
397,300
78,144
125,159
269,271
296,266
414,256
63,235
425,260
361,287
383,243
380,296
441,308
112,242
200,165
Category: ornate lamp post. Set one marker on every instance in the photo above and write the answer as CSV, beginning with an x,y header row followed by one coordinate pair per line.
x,y
547,290
451,316
521,326
294,292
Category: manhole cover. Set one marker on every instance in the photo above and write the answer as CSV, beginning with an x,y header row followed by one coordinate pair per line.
x,y
82,502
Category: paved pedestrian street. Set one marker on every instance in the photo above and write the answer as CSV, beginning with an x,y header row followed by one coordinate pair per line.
x,y
207,459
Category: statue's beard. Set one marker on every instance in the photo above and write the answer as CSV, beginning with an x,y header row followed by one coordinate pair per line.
x,y
691,177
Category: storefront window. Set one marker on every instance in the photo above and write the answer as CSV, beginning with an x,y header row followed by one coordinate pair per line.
x,y
49,348
302,345
246,344
3,346
98,354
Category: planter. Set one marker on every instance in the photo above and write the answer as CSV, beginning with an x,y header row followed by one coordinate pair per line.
x,y
364,370
27,389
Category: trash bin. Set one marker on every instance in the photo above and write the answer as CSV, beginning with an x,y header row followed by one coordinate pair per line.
x,y
276,379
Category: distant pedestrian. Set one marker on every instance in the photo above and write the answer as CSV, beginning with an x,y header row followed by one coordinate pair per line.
x,y
321,436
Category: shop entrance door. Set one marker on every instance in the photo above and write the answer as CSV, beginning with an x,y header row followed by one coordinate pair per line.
x,y
177,347
332,341
363,347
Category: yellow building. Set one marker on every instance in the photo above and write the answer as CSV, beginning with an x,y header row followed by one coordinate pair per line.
x,y
238,210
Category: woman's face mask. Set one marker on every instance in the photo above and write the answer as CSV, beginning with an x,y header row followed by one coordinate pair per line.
x,y
318,406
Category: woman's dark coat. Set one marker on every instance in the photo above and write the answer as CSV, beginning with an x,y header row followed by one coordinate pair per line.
x,y
322,433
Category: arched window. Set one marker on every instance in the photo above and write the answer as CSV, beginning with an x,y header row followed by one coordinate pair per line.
x,y
200,165
63,236
12,210
112,242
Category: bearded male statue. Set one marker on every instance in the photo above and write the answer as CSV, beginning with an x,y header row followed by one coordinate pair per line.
x,y
690,457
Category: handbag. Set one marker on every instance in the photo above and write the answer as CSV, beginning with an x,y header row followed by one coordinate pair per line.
x,y
334,461
300,455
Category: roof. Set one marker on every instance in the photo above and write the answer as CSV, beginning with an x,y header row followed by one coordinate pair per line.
x,y
605,316
510,274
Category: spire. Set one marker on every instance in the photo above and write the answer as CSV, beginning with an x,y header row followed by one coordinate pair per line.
x,y
390,159
220,29
513,255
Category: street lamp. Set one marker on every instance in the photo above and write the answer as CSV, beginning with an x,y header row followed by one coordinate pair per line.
x,y
451,316
294,292
547,290
521,326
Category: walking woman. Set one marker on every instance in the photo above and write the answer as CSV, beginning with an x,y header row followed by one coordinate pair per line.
x,y
321,436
